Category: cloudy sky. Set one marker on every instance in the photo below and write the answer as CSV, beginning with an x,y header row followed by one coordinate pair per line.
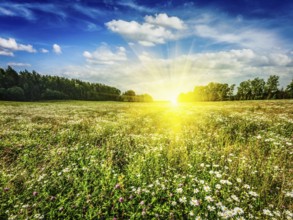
x,y
157,47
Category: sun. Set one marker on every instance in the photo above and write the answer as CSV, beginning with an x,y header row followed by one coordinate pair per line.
x,y
173,100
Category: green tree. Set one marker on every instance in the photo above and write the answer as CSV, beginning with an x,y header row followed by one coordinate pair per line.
x,y
257,88
289,90
129,96
231,92
15,93
272,86
244,90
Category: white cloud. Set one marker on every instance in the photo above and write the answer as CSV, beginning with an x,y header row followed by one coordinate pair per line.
x,y
134,6
104,55
244,36
27,10
11,44
155,30
6,12
165,21
88,11
19,64
6,53
44,50
57,49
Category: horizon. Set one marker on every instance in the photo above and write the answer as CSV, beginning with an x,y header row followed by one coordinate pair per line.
x,y
162,49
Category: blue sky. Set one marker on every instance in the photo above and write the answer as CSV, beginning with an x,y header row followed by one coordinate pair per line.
x,y
157,47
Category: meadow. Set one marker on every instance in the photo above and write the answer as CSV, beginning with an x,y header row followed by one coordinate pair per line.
x,y
111,160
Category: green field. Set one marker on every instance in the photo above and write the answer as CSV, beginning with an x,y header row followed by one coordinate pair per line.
x,y
108,160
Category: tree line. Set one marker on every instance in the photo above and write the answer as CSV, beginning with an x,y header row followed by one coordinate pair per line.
x,y
255,89
31,86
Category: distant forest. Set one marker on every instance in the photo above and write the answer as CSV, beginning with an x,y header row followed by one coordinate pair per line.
x,y
255,89
31,86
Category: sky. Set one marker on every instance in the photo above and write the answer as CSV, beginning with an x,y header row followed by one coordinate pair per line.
x,y
158,47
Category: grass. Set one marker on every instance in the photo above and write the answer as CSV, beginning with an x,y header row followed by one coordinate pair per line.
x,y
104,160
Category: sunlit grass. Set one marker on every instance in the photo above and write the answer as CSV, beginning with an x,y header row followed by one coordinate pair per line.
x,y
104,160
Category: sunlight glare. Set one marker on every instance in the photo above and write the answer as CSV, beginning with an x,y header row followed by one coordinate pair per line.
x,y
173,101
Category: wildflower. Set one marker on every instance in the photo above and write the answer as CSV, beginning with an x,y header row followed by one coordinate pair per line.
x,y
218,186
195,191
173,203
288,213
267,212
289,194
25,206
254,194
238,180
191,213
211,208
141,203
35,193
182,200
150,185
235,198
143,212
277,213
38,216
207,188
218,175
6,189
179,190
121,199
194,202
117,186
246,186
198,218
238,211
209,198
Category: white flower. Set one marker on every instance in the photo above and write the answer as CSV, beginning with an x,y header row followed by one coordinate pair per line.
x,y
288,213
191,213
38,216
246,186
289,194
195,191
209,198
207,188
238,180
218,186
238,211
253,193
218,175
211,208
277,213
267,212
194,202
179,190
235,198
173,203
182,200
